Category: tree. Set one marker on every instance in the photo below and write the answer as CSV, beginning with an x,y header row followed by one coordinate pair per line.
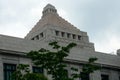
x,y
53,61
87,68
23,73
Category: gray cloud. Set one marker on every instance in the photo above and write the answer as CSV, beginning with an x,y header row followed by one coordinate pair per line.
x,y
100,18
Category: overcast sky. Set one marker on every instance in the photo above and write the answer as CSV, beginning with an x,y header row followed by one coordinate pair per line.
x,y
99,18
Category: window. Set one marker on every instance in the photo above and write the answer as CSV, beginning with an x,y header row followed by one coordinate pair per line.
x,y
50,10
8,70
32,39
55,11
41,34
104,77
79,37
37,37
57,33
84,76
66,73
37,69
74,36
63,34
68,35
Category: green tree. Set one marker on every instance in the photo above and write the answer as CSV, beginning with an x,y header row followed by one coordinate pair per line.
x,y
87,68
53,61
23,73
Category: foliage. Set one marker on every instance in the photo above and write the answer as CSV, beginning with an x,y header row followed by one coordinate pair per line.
x,y
90,67
53,61
87,68
23,73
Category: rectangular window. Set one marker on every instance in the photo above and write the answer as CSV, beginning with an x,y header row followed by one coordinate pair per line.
x,y
84,76
37,37
8,70
68,35
37,70
63,34
57,33
104,77
32,39
41,34
79,37
74,36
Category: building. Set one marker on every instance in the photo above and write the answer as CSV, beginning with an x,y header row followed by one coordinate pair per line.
x,y
51,27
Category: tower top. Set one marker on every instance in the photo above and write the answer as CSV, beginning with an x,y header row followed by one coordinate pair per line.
x,y
49,9
48,6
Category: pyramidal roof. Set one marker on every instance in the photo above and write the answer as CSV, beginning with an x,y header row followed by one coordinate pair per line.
x,y
50,16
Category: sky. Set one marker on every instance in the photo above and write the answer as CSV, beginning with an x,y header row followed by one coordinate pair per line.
x,y
99,18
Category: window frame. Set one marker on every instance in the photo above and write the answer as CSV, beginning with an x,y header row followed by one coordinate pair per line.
x,y
105,76
83,77
8,70
40,70
63,34
41,34
74,36
57,33
79,37
68,35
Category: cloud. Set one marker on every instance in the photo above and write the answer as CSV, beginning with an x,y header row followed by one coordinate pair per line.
x,y
100,18
108,39
17,30
108,43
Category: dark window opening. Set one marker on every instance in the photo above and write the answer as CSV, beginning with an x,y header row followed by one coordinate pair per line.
x,y
66,73
50,10
55,11
68,35
104,77
79,37
41,34
32,39
37,70
84,76
74,36
63,34
37,37
57,33
8,70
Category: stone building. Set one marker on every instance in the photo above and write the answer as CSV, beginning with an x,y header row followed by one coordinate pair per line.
x,y
51,27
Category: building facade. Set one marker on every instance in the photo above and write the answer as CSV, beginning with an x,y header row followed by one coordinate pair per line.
x,y
52,27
